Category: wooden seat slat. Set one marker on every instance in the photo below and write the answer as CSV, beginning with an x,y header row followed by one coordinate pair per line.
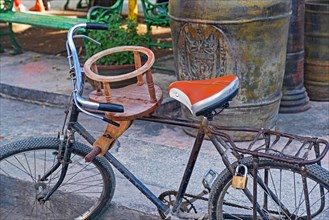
x,y
135,100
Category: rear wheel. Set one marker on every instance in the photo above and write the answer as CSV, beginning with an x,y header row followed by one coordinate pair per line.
x,y
84,194
284,180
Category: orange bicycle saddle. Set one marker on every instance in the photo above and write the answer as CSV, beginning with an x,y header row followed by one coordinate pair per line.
x,y
204,96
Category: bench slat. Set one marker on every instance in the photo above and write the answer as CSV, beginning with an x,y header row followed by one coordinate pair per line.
x,y
49,21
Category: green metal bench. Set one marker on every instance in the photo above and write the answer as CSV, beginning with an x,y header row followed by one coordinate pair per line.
x,y
7,15
101,13
155,14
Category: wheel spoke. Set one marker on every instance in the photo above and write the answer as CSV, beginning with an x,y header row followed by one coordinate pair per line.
x,y
32,208
28,166
84,193
282,195
21,169
278,206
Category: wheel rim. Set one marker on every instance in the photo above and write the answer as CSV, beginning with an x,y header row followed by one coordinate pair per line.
x,y
79,195
286,185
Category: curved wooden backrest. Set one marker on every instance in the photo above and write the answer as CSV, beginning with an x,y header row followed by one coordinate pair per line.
x,y
138,99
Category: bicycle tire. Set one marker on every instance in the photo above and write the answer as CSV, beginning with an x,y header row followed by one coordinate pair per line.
x,y
84,194
226,202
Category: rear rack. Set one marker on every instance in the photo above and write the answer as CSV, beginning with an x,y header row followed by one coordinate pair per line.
x,y
277,145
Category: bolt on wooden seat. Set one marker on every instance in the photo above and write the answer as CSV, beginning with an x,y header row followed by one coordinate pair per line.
x,y
138,99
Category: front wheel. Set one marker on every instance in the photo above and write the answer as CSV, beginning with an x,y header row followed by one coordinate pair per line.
x,y
84,194
283,181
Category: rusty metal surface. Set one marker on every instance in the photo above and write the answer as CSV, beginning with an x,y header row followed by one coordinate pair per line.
x,y
316,49
277,145
247,38
294,95
265,143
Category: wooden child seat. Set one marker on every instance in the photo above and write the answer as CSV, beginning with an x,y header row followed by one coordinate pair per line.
x,y
138,99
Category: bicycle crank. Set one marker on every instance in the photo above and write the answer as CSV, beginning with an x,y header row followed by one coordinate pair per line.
x,y
169,197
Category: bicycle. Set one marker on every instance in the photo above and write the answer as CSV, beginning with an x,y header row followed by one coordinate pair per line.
x,y
39,172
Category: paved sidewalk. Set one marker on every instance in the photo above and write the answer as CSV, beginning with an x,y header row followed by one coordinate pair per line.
x,y
45,78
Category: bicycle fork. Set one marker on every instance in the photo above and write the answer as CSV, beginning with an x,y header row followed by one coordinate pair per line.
x,y
63,158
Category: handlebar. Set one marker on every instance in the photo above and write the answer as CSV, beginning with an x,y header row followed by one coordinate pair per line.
x,y
96,26
77,79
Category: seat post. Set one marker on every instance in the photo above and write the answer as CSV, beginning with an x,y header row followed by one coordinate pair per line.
x,y
190,165
210,115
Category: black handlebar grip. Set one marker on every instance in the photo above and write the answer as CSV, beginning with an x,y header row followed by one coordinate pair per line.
x,y
110,107
96,26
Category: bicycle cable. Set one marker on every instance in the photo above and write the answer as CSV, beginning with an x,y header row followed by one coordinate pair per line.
x,y
66,112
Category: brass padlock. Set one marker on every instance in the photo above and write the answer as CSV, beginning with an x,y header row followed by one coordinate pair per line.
x,y
239,180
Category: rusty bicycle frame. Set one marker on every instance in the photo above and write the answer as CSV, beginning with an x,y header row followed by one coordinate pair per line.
x,y
222,142
264,145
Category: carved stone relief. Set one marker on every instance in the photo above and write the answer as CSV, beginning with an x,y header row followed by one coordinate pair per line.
x,y
204,52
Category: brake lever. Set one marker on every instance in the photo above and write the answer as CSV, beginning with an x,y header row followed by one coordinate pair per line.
x,y
87,38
